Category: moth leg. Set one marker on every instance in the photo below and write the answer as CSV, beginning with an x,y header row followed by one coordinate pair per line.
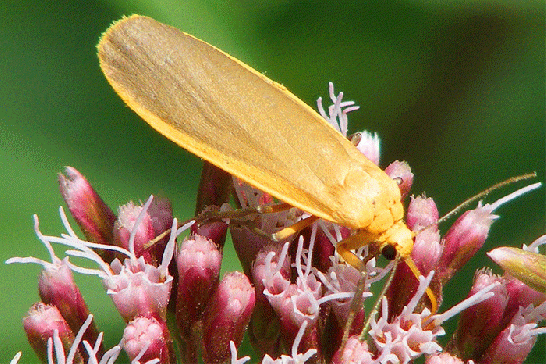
x,y
270,209
242,214
345,247
294,229
363,238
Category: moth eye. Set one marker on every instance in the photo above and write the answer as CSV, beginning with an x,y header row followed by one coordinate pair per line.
x,y
389,252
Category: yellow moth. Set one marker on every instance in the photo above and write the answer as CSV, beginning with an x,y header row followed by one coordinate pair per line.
x,y
239,120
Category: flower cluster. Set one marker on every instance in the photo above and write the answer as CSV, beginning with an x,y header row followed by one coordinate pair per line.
x,y
295,300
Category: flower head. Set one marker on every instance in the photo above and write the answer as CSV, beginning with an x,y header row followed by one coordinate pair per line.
x,y
296,299
57,288
406,337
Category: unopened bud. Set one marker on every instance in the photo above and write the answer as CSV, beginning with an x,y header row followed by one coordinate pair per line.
x,y
56,287
464,239
94,217
226,317
354,352
198,264
40,324
149,339
400,171
422,213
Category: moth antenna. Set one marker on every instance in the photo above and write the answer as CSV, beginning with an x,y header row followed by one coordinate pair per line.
x,y
375,308
209,216
356,302
482,194
160,237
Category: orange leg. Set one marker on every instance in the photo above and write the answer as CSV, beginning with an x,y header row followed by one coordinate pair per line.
x,y
345,247
363,238
294,229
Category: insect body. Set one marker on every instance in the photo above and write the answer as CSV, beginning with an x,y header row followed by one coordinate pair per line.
x,y
239,120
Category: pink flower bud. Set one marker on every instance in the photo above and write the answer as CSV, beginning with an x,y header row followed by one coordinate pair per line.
x,y
214,187
40,323
426,250
443,358
96,220
354,352
198,264
124,226
400,171
479,324
56,287
515,342
149,339
226,317
422,213
464,239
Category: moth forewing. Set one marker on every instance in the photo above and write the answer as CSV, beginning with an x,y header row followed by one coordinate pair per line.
x,y
225,112
237,119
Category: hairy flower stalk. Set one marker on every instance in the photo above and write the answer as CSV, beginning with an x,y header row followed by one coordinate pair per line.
x,y
295,298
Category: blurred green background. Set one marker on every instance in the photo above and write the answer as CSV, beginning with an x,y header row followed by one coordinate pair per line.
x,y
456,88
